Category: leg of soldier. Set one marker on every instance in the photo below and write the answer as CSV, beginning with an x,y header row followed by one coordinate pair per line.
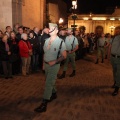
x,y
98,52
116,71
117,78
72,58
66,63
114,67
103,54
98,55
51,76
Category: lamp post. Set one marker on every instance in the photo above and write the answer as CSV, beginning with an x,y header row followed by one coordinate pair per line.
x,y
74,16
60,22
112,28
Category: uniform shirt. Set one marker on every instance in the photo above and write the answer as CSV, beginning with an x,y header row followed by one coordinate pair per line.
x,y
101,41
51,53
115,49
69,42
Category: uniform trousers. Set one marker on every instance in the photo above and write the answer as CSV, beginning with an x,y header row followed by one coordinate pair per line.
x,y
71,58
51,76
101,50
116,70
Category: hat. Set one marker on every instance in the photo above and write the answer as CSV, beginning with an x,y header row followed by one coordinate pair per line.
x,y
62,28
53,25
70,29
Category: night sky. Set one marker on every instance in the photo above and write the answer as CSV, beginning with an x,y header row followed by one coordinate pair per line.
x,y
94,6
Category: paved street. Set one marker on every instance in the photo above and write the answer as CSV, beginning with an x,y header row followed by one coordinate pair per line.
x,y
87,96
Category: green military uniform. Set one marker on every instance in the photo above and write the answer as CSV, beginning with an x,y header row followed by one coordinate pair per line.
x,y
115,59
101,49
69,43
51,71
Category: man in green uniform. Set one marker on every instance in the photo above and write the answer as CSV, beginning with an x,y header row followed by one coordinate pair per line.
x,y
101,44
71,43
115,59
54,53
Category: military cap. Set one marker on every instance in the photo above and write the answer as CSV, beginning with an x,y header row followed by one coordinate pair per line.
x,y
53,25
70,29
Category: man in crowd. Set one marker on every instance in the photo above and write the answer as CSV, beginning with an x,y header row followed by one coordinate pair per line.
x,y
42,39
71,43
8,30
54,53
115,60
101,44
36,32
20,32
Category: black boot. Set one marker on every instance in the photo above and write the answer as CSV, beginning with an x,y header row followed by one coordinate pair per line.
x,y
115,91
102,61
54,96
96,61
42,107
73,74
63,75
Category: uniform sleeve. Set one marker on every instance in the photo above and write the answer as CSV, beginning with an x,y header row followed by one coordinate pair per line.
x,y
111,40
76,41
63,48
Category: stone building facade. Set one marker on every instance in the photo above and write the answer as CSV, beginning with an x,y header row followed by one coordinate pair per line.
x,y
28,13
57,9
94,21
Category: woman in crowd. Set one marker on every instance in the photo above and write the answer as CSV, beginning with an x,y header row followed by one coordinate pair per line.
x,y
25,50
14,58
36,50
5,54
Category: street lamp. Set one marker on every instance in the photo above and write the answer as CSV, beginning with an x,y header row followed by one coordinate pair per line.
x,y
74,16
112,28
61,21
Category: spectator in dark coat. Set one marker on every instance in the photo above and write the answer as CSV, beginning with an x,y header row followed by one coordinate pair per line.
x,y
36,32
20,32
5,53
36,51
42,39
15,58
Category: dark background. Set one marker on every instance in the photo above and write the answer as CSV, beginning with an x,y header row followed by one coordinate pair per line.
x,y
94,6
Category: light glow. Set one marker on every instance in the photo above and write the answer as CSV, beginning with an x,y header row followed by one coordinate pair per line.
x,y
85,18
74,2
98,18
112,18
61,20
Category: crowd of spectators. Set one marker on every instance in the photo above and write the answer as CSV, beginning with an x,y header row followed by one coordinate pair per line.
x,y
21,49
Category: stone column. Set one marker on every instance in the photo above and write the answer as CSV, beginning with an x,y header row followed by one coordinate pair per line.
x,y
5,13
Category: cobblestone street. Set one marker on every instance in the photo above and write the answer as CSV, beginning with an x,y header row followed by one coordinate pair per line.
x,y
87,96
